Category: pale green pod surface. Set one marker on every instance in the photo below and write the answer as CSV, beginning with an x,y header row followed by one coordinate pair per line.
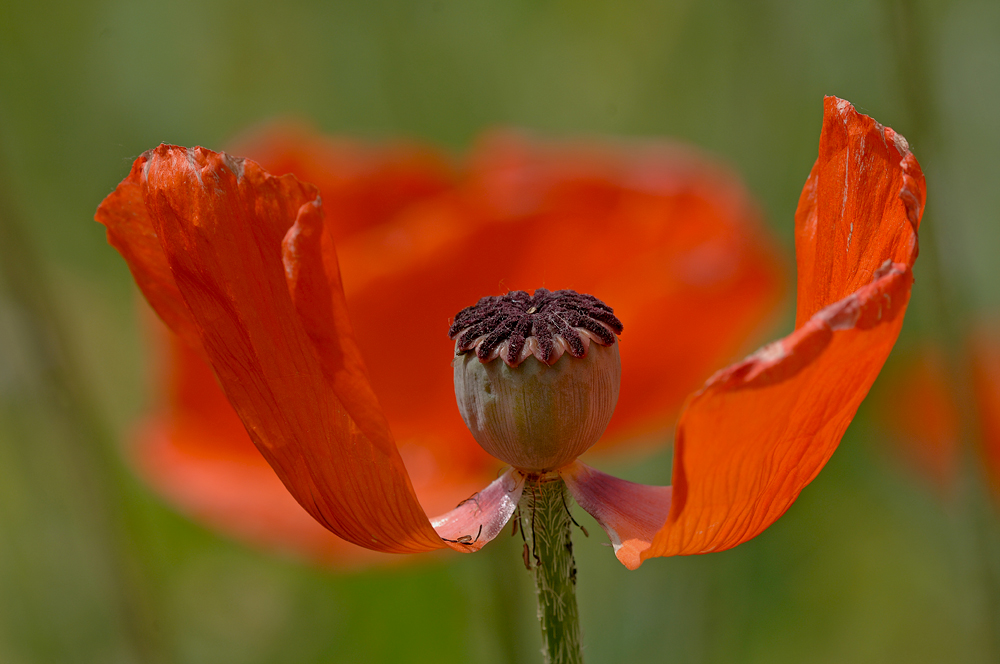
x,y
535,416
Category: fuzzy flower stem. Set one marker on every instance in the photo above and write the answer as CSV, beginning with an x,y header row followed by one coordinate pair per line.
x,y
548,552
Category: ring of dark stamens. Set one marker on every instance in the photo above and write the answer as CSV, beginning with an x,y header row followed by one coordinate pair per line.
x,y
517,316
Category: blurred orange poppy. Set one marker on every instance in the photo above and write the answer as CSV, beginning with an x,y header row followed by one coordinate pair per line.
x,y
914,402
986,390
242,267
918,405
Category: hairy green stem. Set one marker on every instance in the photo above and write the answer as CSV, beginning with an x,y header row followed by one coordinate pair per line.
x,y
545,521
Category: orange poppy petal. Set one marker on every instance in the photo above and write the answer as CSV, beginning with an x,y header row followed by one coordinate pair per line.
x,y
631,514
130,230
313,279
859,208
480,518
760,431
221,222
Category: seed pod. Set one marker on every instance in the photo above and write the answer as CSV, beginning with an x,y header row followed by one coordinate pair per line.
x,y
537,376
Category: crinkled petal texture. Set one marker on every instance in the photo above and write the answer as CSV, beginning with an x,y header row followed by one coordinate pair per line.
x,y
759,431
363,185
465,524
229,237
192,448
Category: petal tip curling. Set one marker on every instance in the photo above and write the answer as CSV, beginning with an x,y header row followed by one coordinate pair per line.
x,y
761,430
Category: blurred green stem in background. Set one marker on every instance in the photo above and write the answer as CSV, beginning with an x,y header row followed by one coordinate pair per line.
x,y
88,448
544,519
945,316
506,596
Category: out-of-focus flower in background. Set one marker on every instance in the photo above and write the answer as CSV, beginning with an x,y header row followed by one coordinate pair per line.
x,y
916,406
667,235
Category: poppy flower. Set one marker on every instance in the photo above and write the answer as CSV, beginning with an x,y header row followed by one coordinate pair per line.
x,y
705,259
243,268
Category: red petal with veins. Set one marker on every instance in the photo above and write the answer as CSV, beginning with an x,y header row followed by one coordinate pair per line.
x,y
914,401
313,279
220,223
853,212
760,431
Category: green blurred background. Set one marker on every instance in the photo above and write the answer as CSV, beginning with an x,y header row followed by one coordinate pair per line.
x,y
870,565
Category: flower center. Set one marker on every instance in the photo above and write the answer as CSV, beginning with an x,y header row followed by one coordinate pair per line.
x,y
546,324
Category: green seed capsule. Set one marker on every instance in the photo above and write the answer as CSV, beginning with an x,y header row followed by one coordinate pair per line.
x,y
534,416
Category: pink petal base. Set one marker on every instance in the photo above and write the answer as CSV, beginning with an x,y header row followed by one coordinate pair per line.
x,y
481,517
603,496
